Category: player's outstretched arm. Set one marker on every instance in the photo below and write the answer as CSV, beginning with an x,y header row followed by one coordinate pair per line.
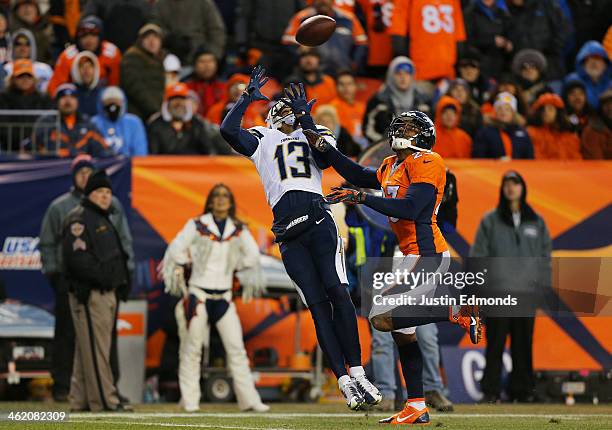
x,y
240,139
356,174
418,196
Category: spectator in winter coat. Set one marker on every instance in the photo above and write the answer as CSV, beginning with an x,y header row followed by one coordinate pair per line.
x,y
327,116
24,48
597,136
551,132
26,15
89,38
577,108
504,138
309,72
236,85
204,80
451,141
123,132
539,25
142,73
260,25
398,94
122,19
196,21
529,68
176,130
506,84
468,69
76,133
594,69
350,110
487,23
85,74
5,39
470,118
20,93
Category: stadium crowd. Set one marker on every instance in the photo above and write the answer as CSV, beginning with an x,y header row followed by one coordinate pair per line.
x,y
500,78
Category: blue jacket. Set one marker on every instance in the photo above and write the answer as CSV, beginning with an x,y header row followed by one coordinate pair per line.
x,y
593,89
126,136
488,143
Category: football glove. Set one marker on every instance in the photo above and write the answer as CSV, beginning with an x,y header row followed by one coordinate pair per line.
x,y
345,195
257,81
297,99
316,141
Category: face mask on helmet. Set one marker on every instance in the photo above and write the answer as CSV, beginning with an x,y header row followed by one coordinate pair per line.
x,y
413,130
275,120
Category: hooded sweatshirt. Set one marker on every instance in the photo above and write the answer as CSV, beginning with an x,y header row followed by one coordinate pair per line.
x,y
451,142
389,101
126,135
88,95
593,89
42,71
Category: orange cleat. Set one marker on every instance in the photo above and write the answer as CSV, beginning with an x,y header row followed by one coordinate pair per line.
x,y
408,416
469,319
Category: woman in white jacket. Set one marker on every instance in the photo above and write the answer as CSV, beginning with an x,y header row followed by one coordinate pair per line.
x,y
215,245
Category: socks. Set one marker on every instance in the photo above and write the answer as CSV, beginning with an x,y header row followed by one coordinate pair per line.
x,y
412,368
418,404
345,324
324,326
356,371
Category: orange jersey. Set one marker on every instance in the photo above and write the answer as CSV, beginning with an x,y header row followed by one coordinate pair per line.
x,y
434,27
109,59
345,5
380,52
421,236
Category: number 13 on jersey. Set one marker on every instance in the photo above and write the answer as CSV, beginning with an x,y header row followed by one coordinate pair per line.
x,y
293,160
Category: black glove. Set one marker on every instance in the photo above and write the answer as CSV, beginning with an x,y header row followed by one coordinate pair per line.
x,y
257,81
316,141
297,99
345,195
123,292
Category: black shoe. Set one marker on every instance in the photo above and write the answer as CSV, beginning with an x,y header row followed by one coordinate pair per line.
x,y
438,401
122,407
122,399
60,397
490,399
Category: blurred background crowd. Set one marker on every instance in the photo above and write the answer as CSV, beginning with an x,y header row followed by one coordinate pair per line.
x,y
514,79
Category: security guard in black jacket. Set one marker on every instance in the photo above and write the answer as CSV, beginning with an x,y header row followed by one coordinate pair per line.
x,y
97,274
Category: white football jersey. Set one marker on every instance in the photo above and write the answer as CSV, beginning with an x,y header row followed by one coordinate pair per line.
x,y
285,163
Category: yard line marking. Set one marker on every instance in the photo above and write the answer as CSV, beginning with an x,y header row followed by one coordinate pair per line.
x,y
204,426
141,415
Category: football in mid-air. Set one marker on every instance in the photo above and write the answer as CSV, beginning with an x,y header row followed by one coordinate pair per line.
x,y
315,30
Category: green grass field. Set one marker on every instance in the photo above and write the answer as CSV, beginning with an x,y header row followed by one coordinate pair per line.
x,y
321,416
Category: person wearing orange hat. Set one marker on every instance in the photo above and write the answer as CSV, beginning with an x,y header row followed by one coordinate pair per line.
x,y
451,141
176,130
551,132
235,86
21,93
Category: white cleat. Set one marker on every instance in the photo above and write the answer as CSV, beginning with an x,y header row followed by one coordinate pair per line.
x,y
354,399
369,392
259,407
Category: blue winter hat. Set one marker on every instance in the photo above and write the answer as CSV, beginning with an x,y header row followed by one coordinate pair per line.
x,y
65,90
404,67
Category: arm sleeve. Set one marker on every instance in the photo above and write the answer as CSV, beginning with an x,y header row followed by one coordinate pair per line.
x,y
480,247
125,236
139,144
239,139
49,237
418,196
250,250
179,247
360,176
